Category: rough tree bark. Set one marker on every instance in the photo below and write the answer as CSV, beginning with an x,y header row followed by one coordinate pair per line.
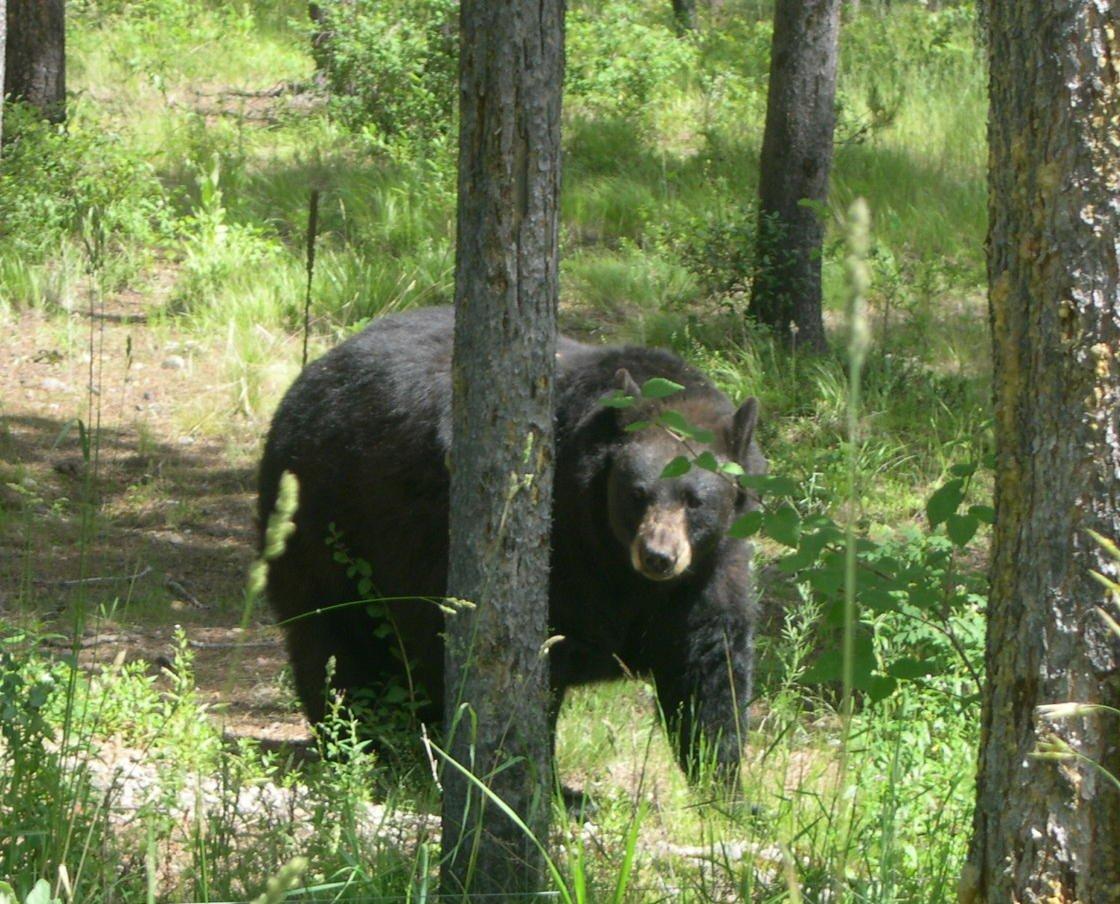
x,y
35,59
796,158
1048,829
511,72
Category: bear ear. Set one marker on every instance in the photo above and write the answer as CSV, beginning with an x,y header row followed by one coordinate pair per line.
x,y
625,382
742,431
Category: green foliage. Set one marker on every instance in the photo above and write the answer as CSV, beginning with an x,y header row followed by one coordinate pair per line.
x,y
388,709
392,66
151,34
44,787
39,894
214,249
52,179
719,248
620,61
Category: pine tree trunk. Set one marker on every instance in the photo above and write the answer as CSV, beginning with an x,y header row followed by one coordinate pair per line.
x,y
511,71
35,59
796,158
1048,829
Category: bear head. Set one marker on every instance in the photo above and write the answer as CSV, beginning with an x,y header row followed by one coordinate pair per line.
x,y
671,526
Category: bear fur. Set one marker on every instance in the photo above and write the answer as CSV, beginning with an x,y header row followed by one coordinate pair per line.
x,y
644,579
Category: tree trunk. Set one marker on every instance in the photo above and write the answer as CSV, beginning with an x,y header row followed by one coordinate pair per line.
x,y
1048,828
796,157
685,13
3,45
35,60
323,16
511,72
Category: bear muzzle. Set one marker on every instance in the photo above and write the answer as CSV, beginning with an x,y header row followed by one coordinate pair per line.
x,y
661,550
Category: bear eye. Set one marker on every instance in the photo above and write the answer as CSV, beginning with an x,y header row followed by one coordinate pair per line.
x,y
692,498
638,494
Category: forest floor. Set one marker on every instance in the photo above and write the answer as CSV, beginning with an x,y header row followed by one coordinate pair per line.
x,y
143,515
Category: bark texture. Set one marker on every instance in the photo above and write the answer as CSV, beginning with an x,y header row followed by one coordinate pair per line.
x,y
35,59
796,159
1049,829
511,71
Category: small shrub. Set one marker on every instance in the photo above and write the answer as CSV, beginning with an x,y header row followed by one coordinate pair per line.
x,y
618,63
45,796
53,178
392,66
215,250
719,249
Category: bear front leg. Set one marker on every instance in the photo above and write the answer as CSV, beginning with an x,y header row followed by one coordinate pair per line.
x,y
704,674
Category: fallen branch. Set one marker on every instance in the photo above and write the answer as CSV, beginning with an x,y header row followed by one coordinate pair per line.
x,y
105,579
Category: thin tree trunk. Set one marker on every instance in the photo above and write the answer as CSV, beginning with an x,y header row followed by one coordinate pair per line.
x,y
1048,828
794,168
684,11
3,45
35,59
323,16
511,70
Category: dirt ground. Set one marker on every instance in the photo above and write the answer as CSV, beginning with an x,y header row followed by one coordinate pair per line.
x,y
123,513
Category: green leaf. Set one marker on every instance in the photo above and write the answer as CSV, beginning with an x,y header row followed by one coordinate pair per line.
x,y
908,668
394,694
635,426
961,528
809,549
747,526
985,513
674,420
41,893
783,524
678,466
924,598
878,600
617,399
879,687
965,469
797,561
944,502
707,461
828,667
7,894
826,581
733,468
659,388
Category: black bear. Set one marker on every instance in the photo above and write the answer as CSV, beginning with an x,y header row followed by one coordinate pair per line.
x,y
644,578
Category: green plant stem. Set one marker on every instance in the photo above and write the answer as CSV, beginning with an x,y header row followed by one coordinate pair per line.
x,y
859,339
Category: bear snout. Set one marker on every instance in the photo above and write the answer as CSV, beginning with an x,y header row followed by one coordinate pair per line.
x,y
661,550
